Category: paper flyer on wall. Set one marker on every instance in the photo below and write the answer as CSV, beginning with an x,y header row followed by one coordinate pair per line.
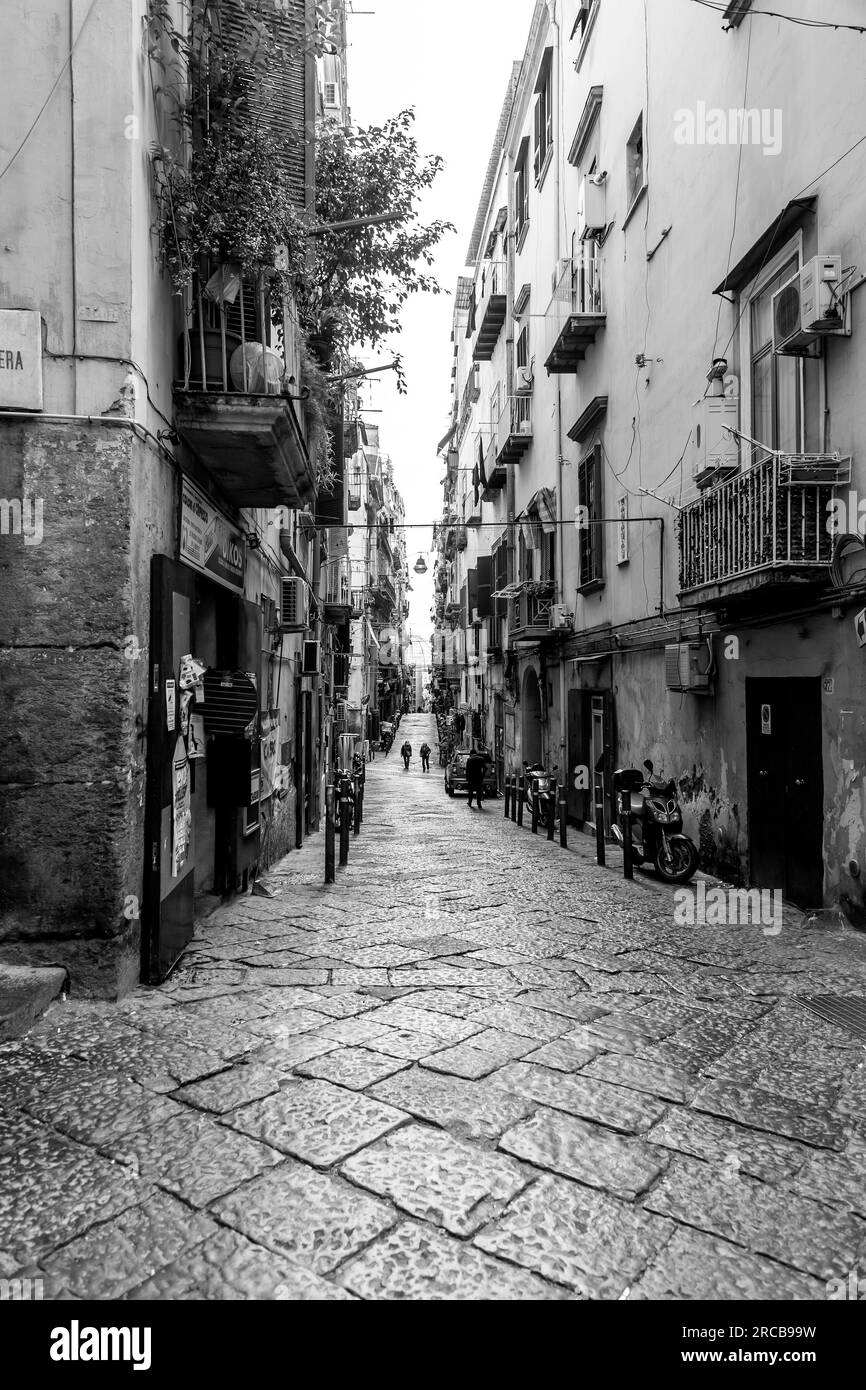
x,y
180,809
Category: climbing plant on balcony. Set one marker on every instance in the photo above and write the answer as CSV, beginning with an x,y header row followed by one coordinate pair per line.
x,y
362,280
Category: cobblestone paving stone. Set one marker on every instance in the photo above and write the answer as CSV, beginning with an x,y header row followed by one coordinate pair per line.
x,y
476,1067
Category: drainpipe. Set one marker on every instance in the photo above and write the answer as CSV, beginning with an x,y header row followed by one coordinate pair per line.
x,y
560,510
510,491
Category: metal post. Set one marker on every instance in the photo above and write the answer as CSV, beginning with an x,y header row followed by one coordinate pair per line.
x,y
522,791
551,824
625,811
356,829
345,819
330,872
563,818
535,809
507,796
599,821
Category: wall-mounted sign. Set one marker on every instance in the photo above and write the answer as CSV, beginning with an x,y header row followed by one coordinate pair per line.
x,y
860,627
766,719
20,359
209,542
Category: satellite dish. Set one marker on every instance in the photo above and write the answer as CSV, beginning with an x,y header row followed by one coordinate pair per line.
x,y
264,369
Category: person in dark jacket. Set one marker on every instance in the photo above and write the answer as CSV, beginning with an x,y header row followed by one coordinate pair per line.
x,y
406,754
475,764
425,757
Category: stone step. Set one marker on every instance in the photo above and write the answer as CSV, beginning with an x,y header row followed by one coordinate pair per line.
x,y
25,993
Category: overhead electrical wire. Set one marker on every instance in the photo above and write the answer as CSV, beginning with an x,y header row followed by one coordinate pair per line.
x,y
722,8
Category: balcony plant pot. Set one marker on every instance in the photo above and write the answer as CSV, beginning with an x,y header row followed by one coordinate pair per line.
x,y
213,358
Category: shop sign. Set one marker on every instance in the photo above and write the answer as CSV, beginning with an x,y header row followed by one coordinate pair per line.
x,y
20,359
270,742
209,542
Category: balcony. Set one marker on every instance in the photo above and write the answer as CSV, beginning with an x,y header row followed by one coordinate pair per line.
x,y
576,314
337,599
529,612
232,406
753,532
383,592
491,310
356,602
513,430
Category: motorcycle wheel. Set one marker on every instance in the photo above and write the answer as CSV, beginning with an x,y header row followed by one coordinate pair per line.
x,y
680,864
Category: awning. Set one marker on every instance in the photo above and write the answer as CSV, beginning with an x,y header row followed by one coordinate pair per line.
x,y
373,638
544,503
766,246
447,439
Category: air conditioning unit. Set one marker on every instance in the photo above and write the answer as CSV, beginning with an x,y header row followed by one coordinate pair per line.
x,y
294,605
689,666
809,308
525,380
561,620
593,200
312,659
714,451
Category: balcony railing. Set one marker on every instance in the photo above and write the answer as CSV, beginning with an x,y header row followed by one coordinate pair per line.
x,y
232,397
356,600
755,526
513,430
530,612
337,591
576,313
490,313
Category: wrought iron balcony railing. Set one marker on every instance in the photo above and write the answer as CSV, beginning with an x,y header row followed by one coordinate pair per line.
x,y
576,313
755,525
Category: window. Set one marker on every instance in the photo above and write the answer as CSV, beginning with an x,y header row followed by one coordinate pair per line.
x,y
330,94
543,116
776,382
523,348
590,533
585,15
521,191
635,163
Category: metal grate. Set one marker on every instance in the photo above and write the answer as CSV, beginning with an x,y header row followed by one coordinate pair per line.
x,y
845,1012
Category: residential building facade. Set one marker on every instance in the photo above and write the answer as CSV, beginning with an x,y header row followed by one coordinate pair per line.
x,y
169,442
657,433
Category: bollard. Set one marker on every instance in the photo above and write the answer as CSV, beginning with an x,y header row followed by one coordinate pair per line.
x,y
599,825
330,872
345,819
356,828
535,809
551,820
625,805
361,799
507,796
563,819
520,800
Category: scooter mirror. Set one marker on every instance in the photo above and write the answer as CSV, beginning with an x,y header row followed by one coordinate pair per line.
x,y
648,765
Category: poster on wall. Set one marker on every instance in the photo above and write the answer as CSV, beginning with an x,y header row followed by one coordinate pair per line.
x,y
209,542
270,741
197,737
180,809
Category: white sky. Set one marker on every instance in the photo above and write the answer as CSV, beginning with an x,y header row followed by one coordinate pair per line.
x,y
451,60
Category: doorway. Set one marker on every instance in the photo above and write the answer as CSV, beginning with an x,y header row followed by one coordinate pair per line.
x,y
786,787
531,704
590,754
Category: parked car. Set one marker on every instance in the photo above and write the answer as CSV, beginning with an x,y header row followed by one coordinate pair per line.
x,y
455,775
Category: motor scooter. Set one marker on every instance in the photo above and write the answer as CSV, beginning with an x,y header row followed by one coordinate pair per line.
x,y
657,823
537,779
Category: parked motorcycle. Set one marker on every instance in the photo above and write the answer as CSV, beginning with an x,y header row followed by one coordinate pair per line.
x,y
657,823
537,779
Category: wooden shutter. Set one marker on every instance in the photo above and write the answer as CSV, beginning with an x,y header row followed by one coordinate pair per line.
x,y
485,586
285,95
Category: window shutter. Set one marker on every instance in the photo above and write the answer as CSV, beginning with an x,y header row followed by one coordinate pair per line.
x,y
537,140
484,586
285,95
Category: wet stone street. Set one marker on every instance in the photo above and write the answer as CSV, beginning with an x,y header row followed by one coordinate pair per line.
x,y
477,1067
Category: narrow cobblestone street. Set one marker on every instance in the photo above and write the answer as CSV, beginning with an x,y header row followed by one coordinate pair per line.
x,y
478,1066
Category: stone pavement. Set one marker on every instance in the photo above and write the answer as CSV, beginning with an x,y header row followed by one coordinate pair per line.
x,y
477,1067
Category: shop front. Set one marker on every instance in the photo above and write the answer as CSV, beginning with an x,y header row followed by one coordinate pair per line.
x,y
204,750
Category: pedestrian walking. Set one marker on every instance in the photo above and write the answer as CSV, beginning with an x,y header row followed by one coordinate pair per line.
x,y
425,757
475,765
406,754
